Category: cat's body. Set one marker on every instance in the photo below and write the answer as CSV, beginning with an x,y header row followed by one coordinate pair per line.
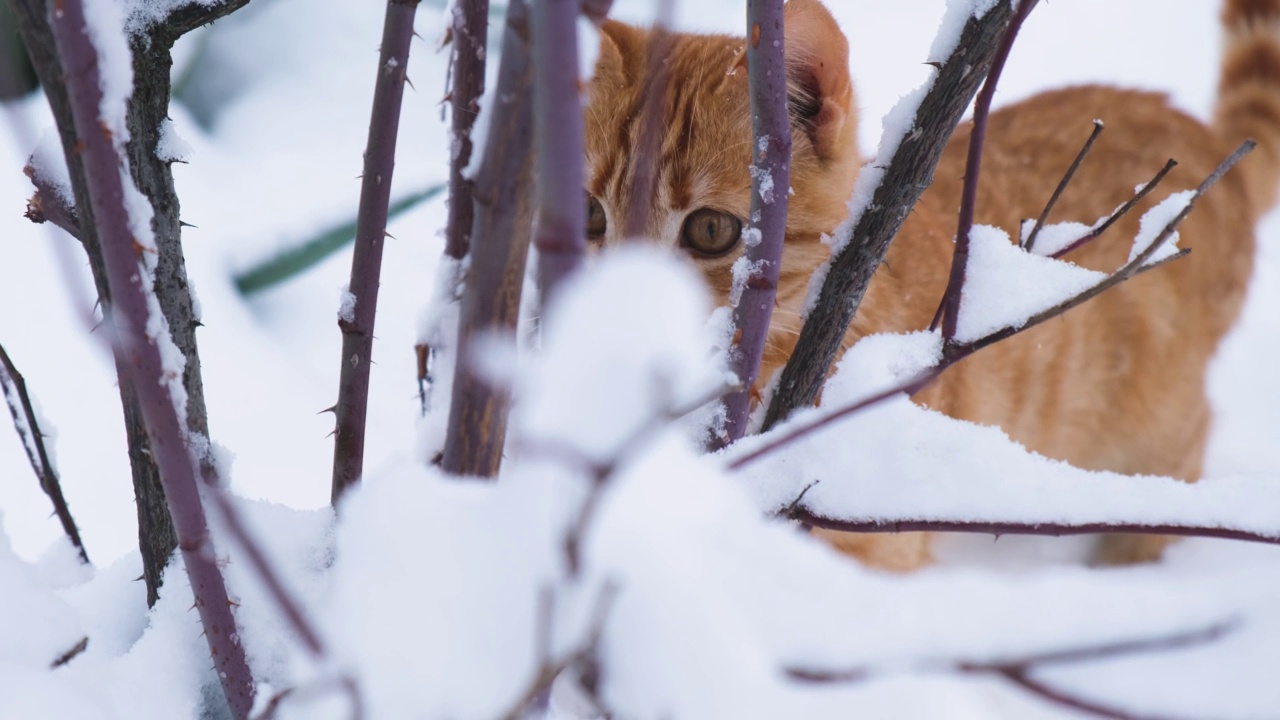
x,y
1116,384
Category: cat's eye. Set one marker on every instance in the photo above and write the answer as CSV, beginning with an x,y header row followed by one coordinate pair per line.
x,y
710,233
597,223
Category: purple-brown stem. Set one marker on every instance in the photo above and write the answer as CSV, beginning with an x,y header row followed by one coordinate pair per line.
x,y
597,11
470,46
767,226
130,315
635,221
866,242
560,235
357,326
1030,241
949,310
14,388
478,411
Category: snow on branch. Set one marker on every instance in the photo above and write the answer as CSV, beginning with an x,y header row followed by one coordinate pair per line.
x,y
357,326
885,193
949,308
14,387
1028,239
141,340
47,204
763,237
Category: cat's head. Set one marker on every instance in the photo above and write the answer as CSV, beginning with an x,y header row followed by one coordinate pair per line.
x,y
701,151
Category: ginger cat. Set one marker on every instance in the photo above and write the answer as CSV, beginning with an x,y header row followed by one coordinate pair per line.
x,y
1116,384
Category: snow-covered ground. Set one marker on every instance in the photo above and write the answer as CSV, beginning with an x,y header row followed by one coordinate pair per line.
x,y
430,590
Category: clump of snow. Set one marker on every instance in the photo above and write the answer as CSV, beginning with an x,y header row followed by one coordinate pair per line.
x,y
743,268
171,147
764,179
621,345
1004,285
50,166
1153,223
347,305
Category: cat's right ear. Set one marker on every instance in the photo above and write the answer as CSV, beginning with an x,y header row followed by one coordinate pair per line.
x,y
819,89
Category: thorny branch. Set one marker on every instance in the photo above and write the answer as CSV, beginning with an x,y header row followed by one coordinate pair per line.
x,y
949,309
357,325
954,351
867,240
14,387
770,180
140,356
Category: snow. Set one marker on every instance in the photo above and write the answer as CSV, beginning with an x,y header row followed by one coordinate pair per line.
x,y
1005,285
1053,237
49,165
1153,223
957,15
429,591
171,147
346,305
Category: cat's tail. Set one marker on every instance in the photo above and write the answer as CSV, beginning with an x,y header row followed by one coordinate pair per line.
x,y
1249,93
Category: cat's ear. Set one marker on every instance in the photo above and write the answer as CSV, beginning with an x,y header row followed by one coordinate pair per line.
x,y
621,46
819,90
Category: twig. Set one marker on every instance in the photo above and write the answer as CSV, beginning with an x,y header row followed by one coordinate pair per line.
x,y
47,205
1066,656
1019,670
308,693
867,240
70,654
1030,241
140,355
27,424
770,180
949,309
491,300
1120,211
597,11
560,234
551,668
366,263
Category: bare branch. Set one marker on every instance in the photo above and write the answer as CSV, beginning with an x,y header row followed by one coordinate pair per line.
x,y
1030,241
14,387
357,326
140,355
71,654
1020,671
560,235
187,17
949,308
867,240
1120,211
766,230
491,301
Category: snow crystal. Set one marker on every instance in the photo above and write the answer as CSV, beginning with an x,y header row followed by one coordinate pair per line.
x,y
1004,286
1154,221
765,180
752,236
